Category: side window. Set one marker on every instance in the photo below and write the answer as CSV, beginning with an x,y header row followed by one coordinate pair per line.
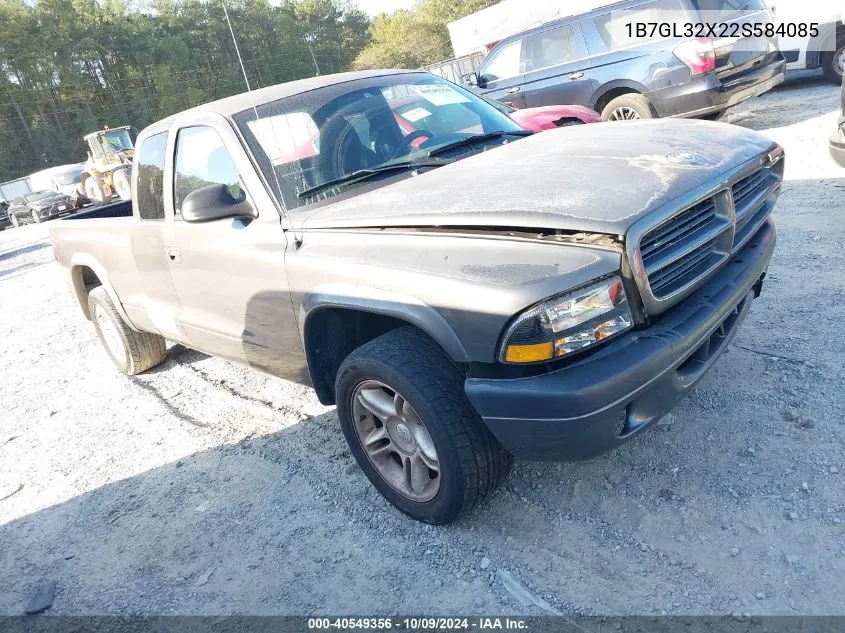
x,y
201,160
503,63
150,165
613,26
557,46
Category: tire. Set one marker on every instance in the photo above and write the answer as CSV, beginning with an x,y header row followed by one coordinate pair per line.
x,y
93,190
35,217
133,352
14,220
634,104
471,462
121,183
833,62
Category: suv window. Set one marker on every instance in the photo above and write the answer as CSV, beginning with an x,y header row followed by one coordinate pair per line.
x,y
503,63
556,46
727,8
150,161
201,160
613,29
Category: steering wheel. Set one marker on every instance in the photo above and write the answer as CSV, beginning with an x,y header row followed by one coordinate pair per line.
x,y
407,140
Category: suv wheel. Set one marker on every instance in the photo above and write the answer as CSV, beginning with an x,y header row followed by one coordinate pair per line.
x,y
412,431
834,63
628,107
14,220
133,352
35,217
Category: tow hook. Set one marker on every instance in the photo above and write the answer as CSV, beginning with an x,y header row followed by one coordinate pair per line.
x,y
758,286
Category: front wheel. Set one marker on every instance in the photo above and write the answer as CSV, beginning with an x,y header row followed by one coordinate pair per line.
x,y
93,190
833,63
14,220
412,430
133,352
35,217
628,107
121,185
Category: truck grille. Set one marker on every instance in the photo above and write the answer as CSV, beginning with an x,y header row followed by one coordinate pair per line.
x,y
683,248
676,255
753,198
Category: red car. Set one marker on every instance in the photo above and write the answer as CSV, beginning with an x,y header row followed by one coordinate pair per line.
x,y
550,117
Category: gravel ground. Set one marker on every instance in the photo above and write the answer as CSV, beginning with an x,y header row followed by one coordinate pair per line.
x,y
208,488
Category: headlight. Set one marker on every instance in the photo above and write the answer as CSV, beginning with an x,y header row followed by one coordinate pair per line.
x,y
568,323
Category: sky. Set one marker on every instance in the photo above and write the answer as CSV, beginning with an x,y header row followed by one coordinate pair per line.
x,y
374,7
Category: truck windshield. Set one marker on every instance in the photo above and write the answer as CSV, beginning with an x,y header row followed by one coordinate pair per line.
x,y
321,136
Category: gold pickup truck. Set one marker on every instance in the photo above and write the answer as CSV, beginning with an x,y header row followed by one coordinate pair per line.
x,y
464,292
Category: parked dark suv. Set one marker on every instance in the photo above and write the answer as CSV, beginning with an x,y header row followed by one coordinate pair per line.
x,y
588,60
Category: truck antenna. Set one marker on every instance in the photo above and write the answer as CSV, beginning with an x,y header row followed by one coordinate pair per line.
x,y
285,213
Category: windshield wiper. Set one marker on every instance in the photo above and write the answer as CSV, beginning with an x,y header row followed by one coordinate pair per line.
x,y
365,174
476,138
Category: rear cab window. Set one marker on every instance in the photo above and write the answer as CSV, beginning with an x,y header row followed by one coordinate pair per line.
x,y
150,184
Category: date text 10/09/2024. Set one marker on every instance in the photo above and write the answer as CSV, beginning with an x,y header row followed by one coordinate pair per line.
x,y
651,30
418,624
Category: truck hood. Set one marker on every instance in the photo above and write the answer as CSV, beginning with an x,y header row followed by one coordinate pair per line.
x,y
597,178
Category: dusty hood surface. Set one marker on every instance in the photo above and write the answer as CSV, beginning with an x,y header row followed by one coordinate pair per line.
x,y
599,178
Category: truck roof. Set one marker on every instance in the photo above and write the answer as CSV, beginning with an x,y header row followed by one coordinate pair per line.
x,y
245,100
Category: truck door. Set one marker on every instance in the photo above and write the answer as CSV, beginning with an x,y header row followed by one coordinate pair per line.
x,y
229,273
143,282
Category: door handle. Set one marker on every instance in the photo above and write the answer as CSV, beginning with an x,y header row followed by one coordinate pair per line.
x,y
175,255
577,75
513,90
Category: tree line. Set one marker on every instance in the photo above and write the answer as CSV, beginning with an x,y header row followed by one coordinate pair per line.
x,y
70,67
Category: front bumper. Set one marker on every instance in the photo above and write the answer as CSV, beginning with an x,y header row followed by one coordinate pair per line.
x,y
707,94
598,403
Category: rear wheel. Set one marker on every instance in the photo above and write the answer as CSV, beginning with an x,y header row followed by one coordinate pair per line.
x,y
14,220
35,217
833,62
133,352
628,107
412,430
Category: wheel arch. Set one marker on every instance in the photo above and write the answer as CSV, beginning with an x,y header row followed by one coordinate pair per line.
x,y
86,274
334,326
610,91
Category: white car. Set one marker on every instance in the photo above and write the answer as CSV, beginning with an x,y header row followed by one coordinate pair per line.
x,y
826,51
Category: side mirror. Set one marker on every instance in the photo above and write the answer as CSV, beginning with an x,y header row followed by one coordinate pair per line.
x,y
216,202
472,79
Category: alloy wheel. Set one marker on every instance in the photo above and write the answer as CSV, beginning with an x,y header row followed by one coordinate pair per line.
x,y
623,113
395,440
839,61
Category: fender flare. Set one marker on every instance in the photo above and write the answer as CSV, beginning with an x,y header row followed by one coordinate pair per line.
x,y
84,260
385,303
